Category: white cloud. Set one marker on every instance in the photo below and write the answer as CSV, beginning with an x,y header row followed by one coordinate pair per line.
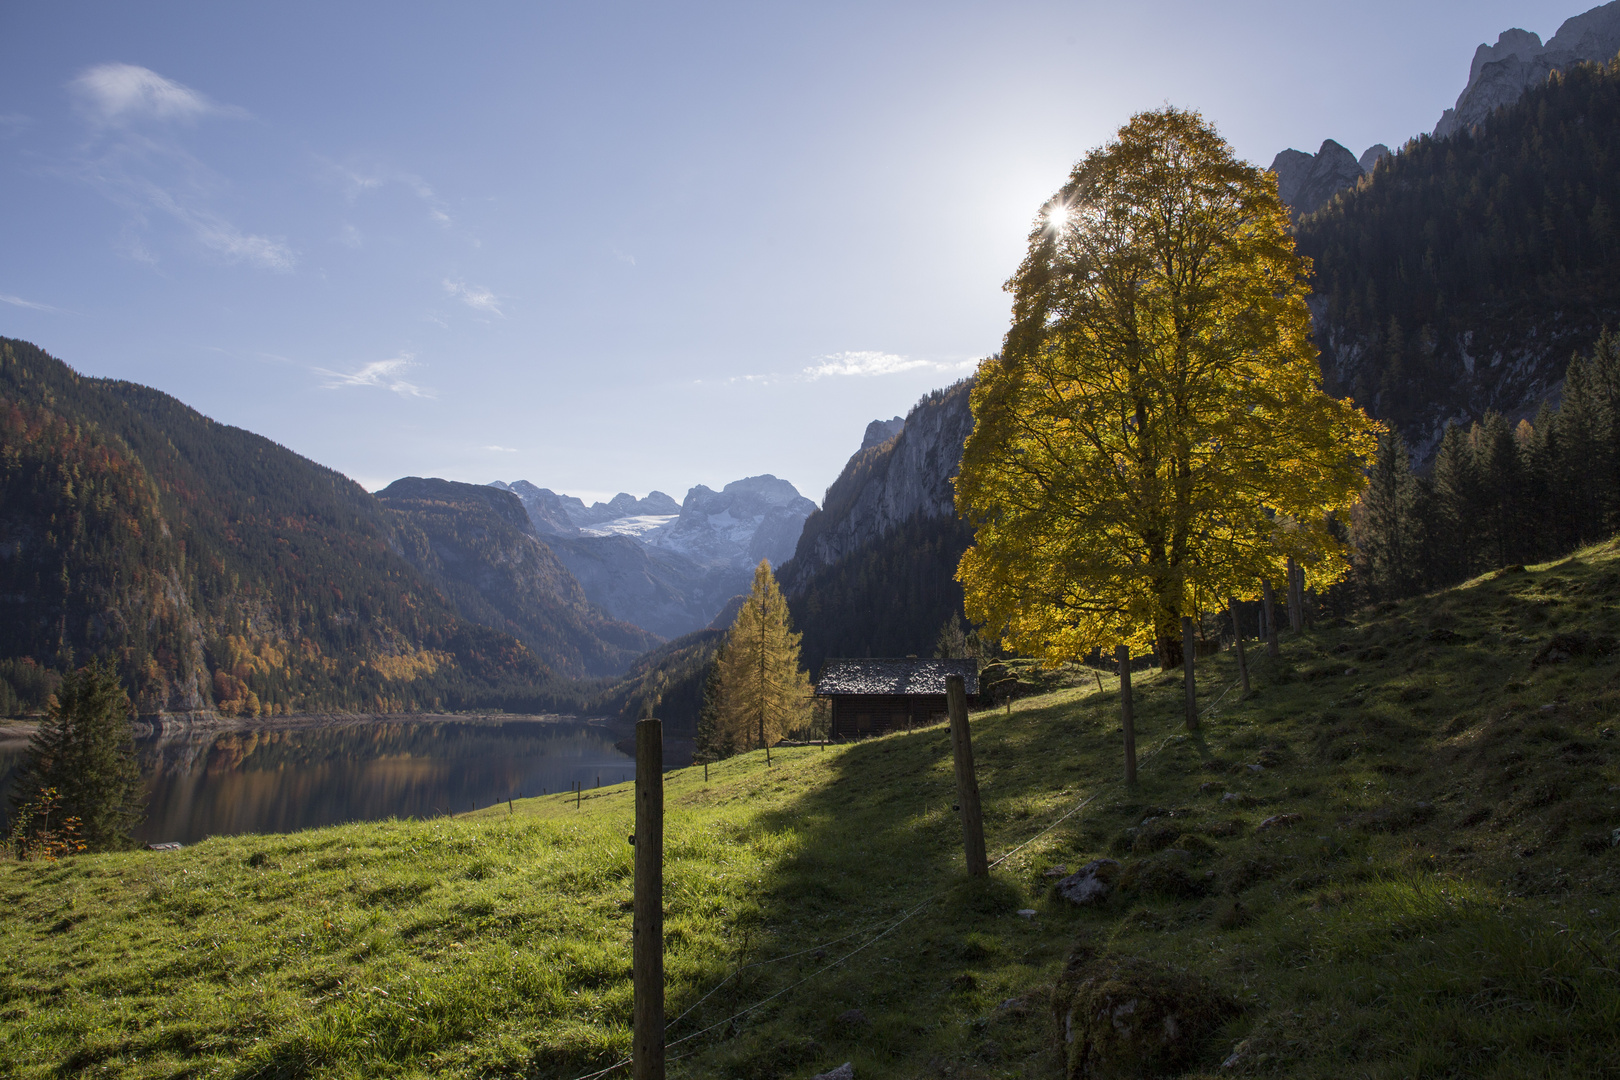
x,y
32,305
501,449
380,373
474,296
865,362
119,93
350,237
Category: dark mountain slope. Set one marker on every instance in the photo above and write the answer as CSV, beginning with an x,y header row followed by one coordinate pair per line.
x,y
219,568
1460,277
477,544
874,572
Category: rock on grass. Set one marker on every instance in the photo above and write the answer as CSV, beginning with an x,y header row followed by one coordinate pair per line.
x,y
1123,1016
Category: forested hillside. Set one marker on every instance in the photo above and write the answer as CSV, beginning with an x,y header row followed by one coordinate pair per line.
x,y
1458,278
477,544
219,569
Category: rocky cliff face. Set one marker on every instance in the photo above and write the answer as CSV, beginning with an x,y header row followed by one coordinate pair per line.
x,y
1501,73
1307,181
874,570
887,484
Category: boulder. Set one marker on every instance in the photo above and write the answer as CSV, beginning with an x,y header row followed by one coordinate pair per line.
x,y
846,1071
1092,884
1123,1016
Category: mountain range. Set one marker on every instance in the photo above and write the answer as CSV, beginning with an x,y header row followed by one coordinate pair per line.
x,y
226,574
1498,76
668,567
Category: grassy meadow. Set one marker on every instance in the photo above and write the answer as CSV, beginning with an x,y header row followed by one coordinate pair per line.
x,y
1447,903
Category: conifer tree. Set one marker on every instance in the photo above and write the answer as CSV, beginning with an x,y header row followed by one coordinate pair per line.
x,y
1501,494
763,693
1452,509
1388,528
85,751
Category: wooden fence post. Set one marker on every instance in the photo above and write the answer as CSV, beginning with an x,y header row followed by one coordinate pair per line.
x,y
1127,717
1237,634
967,787
1189,647
647,955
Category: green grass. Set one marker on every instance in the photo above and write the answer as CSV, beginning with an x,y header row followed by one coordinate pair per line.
x,y
1446,907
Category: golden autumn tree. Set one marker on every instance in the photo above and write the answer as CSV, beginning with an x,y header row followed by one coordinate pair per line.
x,y
1153,436
763,694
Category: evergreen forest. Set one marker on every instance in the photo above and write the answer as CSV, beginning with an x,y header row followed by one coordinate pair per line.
x,y
1458,276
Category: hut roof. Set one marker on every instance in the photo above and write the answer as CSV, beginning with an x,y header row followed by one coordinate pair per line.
x,y
894,676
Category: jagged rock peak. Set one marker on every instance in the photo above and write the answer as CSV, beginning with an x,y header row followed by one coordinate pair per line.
x,y
1500,74
1372,156
1306,181
879,432
565,515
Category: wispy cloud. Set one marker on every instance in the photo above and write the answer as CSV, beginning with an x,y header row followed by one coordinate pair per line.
x,y
32,305
865,362
135,162
474,296
350,237
14,123
502,449
869,363
358,180
379,373
124,93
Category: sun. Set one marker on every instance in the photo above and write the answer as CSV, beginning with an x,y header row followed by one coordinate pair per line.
x,y
1057,216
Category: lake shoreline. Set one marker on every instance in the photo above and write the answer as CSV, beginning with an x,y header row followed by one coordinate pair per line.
x,y
176,723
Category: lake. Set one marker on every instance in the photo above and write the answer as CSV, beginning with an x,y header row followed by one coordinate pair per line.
x,y
291,776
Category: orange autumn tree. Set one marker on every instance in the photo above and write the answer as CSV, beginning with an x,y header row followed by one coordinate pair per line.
x,y
1153,436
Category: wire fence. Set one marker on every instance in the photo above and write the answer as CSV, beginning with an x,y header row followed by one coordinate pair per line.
x,y
882,930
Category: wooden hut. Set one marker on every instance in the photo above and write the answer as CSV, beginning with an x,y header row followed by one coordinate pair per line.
x,y
875,695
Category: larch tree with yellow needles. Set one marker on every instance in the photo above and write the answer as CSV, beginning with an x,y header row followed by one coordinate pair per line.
x,y
1153,437
763,693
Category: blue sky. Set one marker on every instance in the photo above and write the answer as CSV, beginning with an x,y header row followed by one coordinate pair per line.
x,y
609,246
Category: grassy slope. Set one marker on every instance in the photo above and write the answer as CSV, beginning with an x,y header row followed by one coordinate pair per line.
x,y
1446,907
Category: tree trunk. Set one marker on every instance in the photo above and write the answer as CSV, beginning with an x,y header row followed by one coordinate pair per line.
x,y
1268,604
1296,599
1127,717
1188,653
1237,637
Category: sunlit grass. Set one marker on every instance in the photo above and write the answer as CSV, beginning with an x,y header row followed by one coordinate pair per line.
x,y
1444,907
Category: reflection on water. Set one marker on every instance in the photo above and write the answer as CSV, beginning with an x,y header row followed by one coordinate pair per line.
x,y
211,783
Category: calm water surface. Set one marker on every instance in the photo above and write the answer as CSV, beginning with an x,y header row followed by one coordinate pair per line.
x,y
280,779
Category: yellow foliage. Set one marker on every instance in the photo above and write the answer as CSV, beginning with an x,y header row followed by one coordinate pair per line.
x,y
411,665
1154,435
763,692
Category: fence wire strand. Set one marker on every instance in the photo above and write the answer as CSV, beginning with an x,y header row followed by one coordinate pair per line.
x,y
885,931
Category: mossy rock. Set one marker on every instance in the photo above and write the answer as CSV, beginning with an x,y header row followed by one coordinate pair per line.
x,y
1167,873
1123,1016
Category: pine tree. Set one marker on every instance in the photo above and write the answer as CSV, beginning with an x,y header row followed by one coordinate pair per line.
x,y
1452,509
1388,528
1497,464
1582,460
85,751
763,692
